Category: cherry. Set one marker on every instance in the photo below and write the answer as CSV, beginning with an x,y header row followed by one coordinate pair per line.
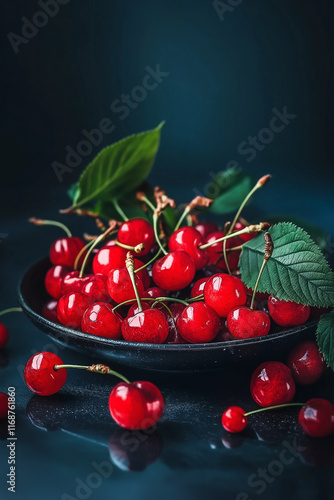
x,y
189,239
4,335
3,405
49,311
245,323
136,231
173,335
73,283
148,326
206,228
64,251
53,280
215,250
198,323
272,384
136,406
40,376
234,419
306,362
99,319
134,309
96,288
71,308
153,293
287,313
174,271
143,273
223,292
198,287
120,287
316,418
108,258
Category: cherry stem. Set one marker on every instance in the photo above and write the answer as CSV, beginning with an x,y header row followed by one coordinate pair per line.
x,y
186,211
150,299
268,251
166,306
105,370
170,299
273,408
41,222
155,228
137,249
94,244
11,309
82,251
148,202
129,263
149,262
256,228
120,211
198,297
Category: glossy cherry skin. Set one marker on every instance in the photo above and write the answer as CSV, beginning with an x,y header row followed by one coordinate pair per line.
x,y
272,384
189,239
245,323
206,228
134,309
99,319
234,419
198,323
316,418
174,271
223,293
136,231
149,326
96,288
306,362
3,405
4,335
71,308
108,258
154,293
64,251
287,313
49,311
215,251
120,286
40,376
73,283
53,280
136,406
198,287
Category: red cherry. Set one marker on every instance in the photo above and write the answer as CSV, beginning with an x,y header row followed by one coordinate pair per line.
x,y
149,326
40,375
287,313
135,231
272,384
215,250
154,293
174,271
136,406
245,323
64,251
188,239
53,280
71,308
96,288
245,237
316,418
99,319
198,287
49,311
173,335
234,419
143,274
206,228
134,309
223,292
3,405
306,362
198,323
120,286
73,283
108,258
4,335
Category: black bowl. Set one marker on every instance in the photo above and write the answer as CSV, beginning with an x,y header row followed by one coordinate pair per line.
x,y
165,357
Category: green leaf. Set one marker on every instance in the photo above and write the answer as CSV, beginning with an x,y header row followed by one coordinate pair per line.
x,y
117,169
297,270
317,234
325,337
229,188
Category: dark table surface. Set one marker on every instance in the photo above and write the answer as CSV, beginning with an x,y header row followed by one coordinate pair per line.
x,y
69,447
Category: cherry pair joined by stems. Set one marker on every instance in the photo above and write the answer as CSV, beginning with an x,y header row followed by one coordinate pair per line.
x,y
136,405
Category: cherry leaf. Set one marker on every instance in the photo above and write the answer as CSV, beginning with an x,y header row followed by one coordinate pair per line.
x,y
325,337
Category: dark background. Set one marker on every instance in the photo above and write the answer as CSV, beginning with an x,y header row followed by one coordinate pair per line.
x,y
225,78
